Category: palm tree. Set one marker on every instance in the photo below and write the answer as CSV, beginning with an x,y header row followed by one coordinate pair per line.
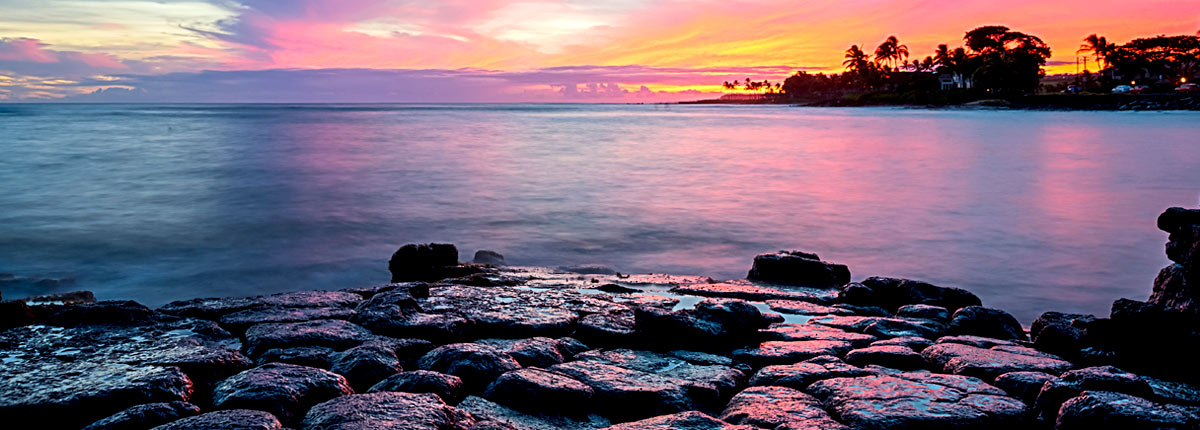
x,y
1098,46
942,57
891,52
856,59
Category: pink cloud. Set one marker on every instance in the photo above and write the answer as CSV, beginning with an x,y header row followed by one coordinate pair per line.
x,y
23,49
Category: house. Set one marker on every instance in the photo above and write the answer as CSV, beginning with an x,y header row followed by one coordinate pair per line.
x,y
952,81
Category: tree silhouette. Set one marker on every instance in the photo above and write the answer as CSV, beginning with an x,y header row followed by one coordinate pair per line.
x,y
1099,47
891,52
856,59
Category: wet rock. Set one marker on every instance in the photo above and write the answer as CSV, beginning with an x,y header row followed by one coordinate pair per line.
x,y
798,268
484,256
236,419
1023,385
210,308
986,322
1105,409
386,411
749,291
798,332
239,321
650,300
15,313
1145,338
918,400
1073,383
336,334
539,390
713,322
606,328
893,356
976,341
589,269
988,363
799,307
536,352
628,394
71,395
215,308
1173,288
427,262
477,364
285,390
492,415
1060,333
123,313
1174,392
771,407
569,347
690,420
929,312
366,364
788,352
311,356
617,289
707,377
801,375
60,299
448,387
914,343
902,327
146,416
892,293
505,312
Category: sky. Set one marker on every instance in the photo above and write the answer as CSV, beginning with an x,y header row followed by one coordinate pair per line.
x,y
497,50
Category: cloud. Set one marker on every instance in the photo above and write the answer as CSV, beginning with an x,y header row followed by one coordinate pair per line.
x,y
24,55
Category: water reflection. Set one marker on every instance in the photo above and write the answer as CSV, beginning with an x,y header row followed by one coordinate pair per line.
x,y
1031,210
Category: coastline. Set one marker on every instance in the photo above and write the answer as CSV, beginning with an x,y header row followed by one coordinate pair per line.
x,y
482,345
1045,102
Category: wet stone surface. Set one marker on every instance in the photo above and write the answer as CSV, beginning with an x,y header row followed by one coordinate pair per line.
x,y
334,334
918,400
690,420
477,364
386,411
788,352
448,387
988,363
803,374
235,419
750,291
770,407
285,390
146,416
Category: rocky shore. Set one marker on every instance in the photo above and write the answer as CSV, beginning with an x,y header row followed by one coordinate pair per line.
x,y
480,346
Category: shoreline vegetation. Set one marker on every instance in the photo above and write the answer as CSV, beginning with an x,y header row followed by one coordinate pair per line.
x,y
447,345
996,68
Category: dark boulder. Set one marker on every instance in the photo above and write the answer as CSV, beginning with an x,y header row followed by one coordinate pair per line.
x,y
1110,410
690,420
803,374
1145,338
771,407
366,364
15,313
145,416
236,419
589,269
892,293
484,256
1075,382
746,290
386,411
617,289
1060,333
71,396
1023,385
448,387
712,323
477,364
798,268
428,262
1178,285
123,313
336,334
918,400
986,322
893,356
540,391
285,390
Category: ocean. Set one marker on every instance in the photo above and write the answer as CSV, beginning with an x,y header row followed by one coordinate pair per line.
x,y
1032,211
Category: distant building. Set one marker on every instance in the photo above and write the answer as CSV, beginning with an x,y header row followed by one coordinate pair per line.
x,y
953,81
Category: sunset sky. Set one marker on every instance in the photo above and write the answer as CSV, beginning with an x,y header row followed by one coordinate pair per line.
x,y
497,50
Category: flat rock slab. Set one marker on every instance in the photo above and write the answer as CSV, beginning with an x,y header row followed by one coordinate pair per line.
x,y
758,293
1102,378
789,352
884,327
800,307
786,331
214,308
386,411
477,364
803,374
1109,410
239,321
893,356
73,394
708,377
771,407
629,394
146,416
285,390
691,420
1023,385
541,391
918,400
235,419
493,415
989,363
509,312
335,334
448,387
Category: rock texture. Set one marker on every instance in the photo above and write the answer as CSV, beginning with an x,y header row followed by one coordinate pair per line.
x,y
285,390
798,268
387,411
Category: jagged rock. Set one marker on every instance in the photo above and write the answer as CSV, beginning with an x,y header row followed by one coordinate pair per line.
x,y
629,394
797,332
477,364
801,375
285,390
771,407
756,293
239,321
484,256
1023,385
1109,410
236,419
494,416
690,420
798,268
918,400
1176,285
1060,333
929,312
311,356
914,343
146,416
539,390
988,363
336,334
386,411
893,356
707,377
366,364
448,387
892,293
986,322
788,352
1073,383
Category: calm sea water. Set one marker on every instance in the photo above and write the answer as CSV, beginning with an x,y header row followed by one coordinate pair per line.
x,y
1031,210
